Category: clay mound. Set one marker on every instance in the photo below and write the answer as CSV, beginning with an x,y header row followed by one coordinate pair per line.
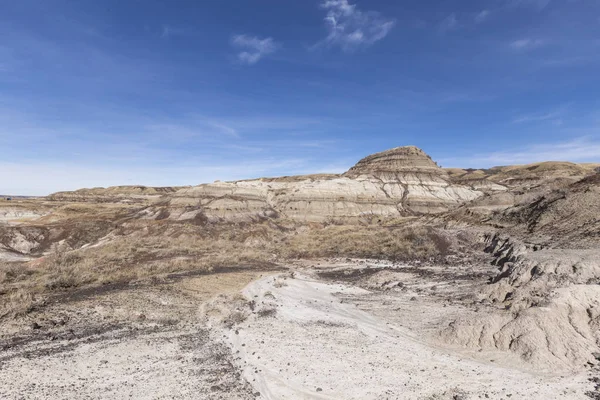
x,y
538,176
547,173
477,179
425,187
546,306
566,217
131,194
589,180
561,335
396,163
398,182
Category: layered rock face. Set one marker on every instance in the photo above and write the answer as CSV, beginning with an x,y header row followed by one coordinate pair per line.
x,y
125,194
397,182
410,174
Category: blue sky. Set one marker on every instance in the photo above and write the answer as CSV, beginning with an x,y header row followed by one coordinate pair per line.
x,y
98,93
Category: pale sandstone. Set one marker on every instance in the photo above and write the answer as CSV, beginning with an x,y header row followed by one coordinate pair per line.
x,y
393,183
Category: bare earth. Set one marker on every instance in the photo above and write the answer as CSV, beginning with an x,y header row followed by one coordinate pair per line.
x,y
315,332
394,280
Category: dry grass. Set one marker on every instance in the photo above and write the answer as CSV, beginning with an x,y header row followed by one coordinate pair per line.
x,y
366,242
148,249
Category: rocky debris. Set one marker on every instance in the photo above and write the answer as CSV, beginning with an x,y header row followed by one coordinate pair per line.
x,y
100,347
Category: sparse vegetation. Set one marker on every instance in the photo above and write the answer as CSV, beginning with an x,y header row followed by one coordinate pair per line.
x,y
366,242
142,249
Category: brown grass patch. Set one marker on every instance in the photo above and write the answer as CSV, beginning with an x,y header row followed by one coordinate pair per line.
x,y
142,249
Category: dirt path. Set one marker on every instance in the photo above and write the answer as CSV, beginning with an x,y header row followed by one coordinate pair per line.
x,y
304,342
325,332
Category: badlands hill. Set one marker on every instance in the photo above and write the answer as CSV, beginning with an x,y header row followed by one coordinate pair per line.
x,y
486,282
402,181
119,193
398,182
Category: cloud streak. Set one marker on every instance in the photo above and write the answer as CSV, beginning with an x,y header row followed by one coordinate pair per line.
x,y
535,4
350,28
482,16
168,31
253,48
526,44
583,149
449,23
552,116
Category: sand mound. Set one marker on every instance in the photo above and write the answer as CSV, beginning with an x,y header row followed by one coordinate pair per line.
x,y
551,307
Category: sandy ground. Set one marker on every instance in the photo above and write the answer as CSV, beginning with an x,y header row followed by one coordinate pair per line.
x,y
144,342
317,344
314,333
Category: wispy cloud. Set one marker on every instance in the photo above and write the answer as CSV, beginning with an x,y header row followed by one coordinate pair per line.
x,y
482,16
554,117
74,147
526,44
583,149
536,4
192,129
350,28
168,31
253,48
449,23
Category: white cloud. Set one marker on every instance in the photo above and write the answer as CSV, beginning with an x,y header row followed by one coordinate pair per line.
x,y
253,48
351,28
552,116
537,4
449,23
526,44
170,30
482,16
166,31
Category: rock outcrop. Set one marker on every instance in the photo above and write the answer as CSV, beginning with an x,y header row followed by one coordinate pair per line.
x,y
398,182
124,194
549,301
537,176
569,215
517,186
410,174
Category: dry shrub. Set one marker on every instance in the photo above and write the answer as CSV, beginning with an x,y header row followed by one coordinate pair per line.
x,y
14,272
141,250
130,258
17,303
367,242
